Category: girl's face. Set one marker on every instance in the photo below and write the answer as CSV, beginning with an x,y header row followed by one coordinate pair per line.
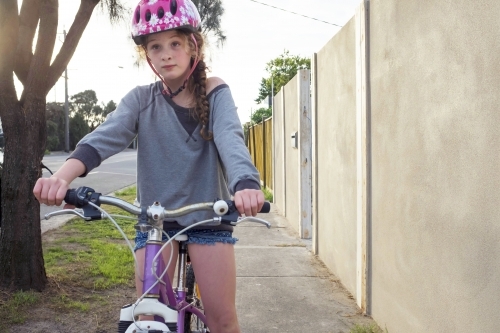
x,y
170,55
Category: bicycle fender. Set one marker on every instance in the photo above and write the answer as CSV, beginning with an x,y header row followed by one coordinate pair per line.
x,y
147,326
148,306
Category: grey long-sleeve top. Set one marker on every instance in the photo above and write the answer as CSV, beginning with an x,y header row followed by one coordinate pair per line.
x,y
175,165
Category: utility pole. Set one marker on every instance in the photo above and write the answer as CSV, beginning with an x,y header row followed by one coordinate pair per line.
x,y
66,107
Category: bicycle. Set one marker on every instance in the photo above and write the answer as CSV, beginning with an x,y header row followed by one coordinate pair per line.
x,y
178,309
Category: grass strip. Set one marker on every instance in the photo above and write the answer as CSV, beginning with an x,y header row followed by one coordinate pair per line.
x,y
80,258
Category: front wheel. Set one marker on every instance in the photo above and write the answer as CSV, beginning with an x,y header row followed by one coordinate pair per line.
x,y
193,324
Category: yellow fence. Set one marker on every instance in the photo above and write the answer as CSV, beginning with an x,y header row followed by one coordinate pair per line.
x,y
259,139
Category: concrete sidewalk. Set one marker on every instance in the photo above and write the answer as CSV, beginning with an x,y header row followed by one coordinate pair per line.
x,y
283,287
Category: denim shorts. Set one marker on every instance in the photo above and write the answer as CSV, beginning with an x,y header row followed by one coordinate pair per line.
x,y
195,236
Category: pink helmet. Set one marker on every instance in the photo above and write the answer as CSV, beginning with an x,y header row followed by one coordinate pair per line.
x,y
153,16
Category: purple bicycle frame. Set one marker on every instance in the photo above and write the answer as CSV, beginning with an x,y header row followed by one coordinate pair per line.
x,y
174,300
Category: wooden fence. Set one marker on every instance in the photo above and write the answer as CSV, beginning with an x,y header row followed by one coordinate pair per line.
x,y
259,140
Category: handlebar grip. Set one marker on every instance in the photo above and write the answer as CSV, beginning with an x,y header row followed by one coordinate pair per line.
x,y
81,196
266,208
70,197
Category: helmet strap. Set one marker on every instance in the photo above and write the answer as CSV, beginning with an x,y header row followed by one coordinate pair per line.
x,y
171,94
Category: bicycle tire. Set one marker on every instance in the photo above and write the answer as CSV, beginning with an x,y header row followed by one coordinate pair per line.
x,y
192,324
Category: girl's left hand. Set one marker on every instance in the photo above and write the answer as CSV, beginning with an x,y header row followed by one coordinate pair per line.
x,y
249,202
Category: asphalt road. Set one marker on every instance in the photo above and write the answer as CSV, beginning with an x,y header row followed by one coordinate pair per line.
x,y
117,172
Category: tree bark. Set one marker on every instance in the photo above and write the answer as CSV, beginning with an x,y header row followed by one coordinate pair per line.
x,y
21,258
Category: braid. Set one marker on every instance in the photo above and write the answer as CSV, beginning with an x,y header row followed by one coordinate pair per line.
x,y
198,85
201,108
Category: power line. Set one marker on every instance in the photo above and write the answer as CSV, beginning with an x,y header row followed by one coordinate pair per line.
x,y
312,18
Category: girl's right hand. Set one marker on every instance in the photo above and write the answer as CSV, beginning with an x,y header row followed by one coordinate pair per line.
x,y
50,191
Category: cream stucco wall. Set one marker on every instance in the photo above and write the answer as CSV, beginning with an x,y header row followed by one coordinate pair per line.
x,y
336,155
432,218
279,166
292,210
435,78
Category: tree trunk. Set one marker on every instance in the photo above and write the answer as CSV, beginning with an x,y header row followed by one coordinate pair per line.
x,y
21,257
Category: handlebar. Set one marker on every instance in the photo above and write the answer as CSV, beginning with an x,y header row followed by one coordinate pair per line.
x,y
85,197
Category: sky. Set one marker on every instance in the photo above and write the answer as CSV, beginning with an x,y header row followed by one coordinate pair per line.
x,y
256,34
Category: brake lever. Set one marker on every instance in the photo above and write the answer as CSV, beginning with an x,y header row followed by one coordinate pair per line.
x,y
77,212
252,219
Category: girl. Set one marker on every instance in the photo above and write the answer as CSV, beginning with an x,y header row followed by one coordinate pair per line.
x,y
190,149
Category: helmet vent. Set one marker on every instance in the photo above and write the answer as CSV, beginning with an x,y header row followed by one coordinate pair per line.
x,y
161,12
137,14
148,15
173,7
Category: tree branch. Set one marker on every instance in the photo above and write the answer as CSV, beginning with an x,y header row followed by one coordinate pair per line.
x,y
72,38
28,21
36,82
116,10
9,27
8,37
